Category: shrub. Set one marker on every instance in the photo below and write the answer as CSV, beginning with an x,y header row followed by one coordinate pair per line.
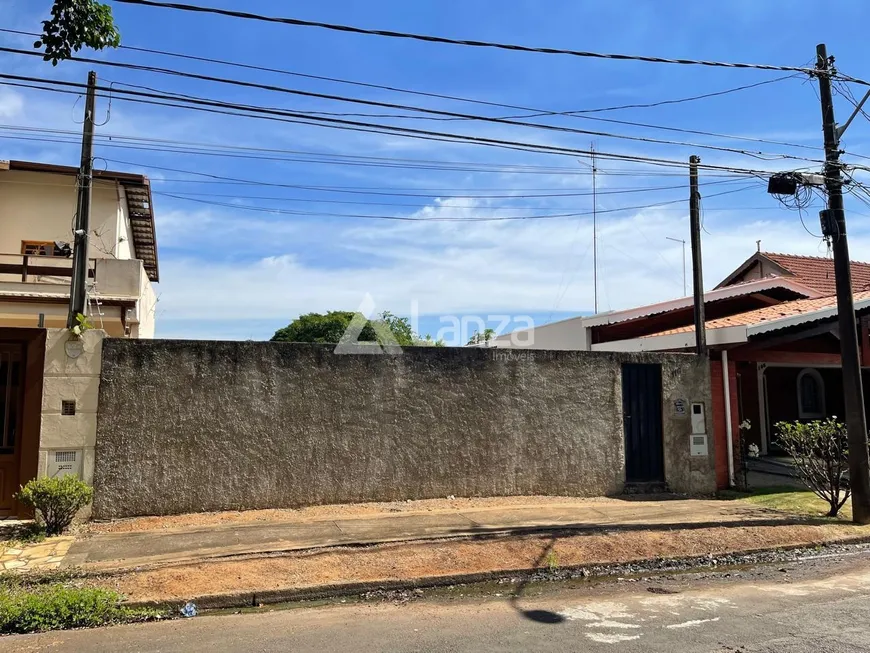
x,y
57,606
56,500
820,453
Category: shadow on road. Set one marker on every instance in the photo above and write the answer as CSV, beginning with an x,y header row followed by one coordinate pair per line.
x,y
538,616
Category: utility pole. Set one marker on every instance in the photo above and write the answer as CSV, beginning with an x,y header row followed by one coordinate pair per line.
x,y
594,228
853,392
697,275
79,279
683,241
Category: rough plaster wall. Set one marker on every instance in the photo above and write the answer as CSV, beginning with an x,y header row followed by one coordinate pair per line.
x,y
192,426
70,378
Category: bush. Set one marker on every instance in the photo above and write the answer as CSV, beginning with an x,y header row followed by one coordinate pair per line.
x,y
57,606
820,453
56,500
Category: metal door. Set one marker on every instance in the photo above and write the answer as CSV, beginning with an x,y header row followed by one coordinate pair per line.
x,y
642,418
11,402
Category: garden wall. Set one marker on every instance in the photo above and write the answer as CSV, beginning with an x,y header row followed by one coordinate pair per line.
x,y
187,426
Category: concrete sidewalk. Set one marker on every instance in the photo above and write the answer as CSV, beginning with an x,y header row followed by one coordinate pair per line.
x,y
117,551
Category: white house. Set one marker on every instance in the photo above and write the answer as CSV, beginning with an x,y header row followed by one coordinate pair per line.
x,y
37,208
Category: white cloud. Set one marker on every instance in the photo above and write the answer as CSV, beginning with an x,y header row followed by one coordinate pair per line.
x,y
462,267
11,103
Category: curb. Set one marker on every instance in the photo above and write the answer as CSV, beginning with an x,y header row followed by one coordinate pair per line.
x,y
288,595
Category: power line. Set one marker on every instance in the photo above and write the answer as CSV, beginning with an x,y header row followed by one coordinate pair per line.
x,y
376,191
217,149
395,89
300,118
441,39
392,105
164,146
438,219
383,192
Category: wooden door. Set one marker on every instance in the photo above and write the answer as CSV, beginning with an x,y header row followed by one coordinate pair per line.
x,y
11,404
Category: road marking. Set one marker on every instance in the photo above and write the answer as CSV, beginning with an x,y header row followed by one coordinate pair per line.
x,y
610,638
611,624
691,624
596,611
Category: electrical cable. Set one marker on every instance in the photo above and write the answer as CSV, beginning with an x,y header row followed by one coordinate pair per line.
x,y
296,117
440,39
391,105
395,89
223,179
438,219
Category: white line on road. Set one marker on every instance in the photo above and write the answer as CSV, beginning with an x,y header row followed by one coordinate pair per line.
x,y
690,624
608,638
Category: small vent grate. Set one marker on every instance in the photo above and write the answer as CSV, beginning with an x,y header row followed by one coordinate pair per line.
x,y
65,456
64,462
68,407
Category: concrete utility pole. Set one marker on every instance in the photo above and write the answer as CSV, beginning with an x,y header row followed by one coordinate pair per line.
x,y
594,229
78,281
697,274
853,392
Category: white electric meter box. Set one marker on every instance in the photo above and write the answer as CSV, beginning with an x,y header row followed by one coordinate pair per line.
x,y
699,444
699,419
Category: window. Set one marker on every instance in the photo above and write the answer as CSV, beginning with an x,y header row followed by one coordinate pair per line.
x,y
68,407
811,394
38,248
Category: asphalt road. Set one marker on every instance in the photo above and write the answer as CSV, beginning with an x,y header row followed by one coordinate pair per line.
x,y
817,606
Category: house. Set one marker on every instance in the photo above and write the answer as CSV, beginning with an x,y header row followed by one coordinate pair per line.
x,y
37,207
773,338
49,379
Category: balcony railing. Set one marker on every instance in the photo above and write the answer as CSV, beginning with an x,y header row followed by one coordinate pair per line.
x,y
30,268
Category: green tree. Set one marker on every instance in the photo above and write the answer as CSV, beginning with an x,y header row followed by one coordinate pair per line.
x,y
820,451
482,337
75,24
328,328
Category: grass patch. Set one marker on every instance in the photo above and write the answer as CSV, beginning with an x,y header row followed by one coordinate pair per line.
x,y
787,499
32,608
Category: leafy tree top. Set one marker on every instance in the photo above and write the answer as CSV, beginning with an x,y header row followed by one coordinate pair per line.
x,y
329,327
75,24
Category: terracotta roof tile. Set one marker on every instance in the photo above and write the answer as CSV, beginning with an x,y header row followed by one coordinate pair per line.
x,y
818,273
768,313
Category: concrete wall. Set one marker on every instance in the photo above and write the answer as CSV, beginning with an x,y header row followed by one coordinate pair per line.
x,y
70,377
187,426
567,335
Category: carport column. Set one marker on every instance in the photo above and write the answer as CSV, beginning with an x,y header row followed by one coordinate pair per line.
x,y
762,407
726,389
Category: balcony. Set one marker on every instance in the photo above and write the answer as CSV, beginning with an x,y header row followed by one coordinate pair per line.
x,y
31,276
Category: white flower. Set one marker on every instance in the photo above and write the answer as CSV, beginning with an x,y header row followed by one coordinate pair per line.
x,y
77,329
745,425
753,451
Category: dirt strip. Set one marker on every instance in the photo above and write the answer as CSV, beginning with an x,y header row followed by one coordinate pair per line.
x,y
404,563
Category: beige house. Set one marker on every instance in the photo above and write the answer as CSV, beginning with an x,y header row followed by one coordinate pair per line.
x,y
49,378
37,207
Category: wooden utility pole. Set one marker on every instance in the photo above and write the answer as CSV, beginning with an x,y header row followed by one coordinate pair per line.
x,y
697,274
78,282
853,391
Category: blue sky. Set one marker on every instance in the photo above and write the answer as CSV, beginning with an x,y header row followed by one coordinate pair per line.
x,y
231,272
